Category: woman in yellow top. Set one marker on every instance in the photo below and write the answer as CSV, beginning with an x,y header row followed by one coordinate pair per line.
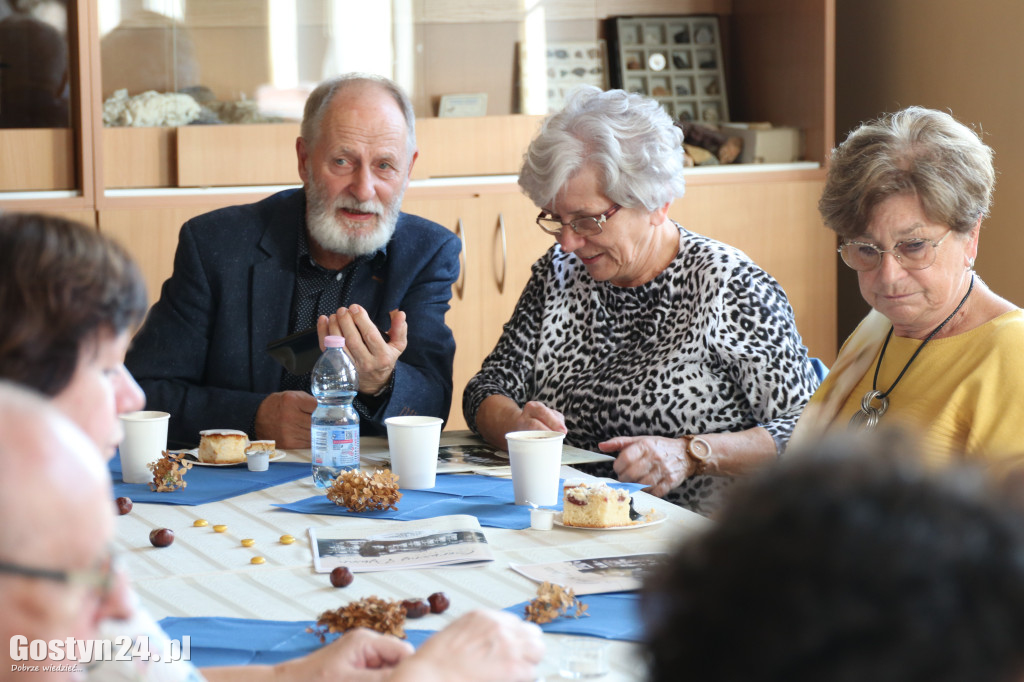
x,y
940,353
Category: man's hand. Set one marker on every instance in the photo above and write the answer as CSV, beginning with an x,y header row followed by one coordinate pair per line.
x,y
286,418
372,354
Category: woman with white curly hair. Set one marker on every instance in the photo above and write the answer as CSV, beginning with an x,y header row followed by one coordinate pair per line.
x,y
634,335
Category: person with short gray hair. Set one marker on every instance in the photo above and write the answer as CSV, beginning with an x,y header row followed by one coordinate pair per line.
x,y
635,336
939,353
337,256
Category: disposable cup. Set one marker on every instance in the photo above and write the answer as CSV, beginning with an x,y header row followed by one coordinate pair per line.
x,y
145,439
536,459
413,442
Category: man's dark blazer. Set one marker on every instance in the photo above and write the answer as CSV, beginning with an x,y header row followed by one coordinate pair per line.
x,y
201,354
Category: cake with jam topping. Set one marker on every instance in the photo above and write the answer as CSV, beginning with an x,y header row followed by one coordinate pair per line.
x,y
595,505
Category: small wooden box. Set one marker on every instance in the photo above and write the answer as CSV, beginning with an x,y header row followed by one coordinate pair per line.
x,y
765,144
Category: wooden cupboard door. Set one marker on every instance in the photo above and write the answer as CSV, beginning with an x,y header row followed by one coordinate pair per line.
x,y
512,242
778,226
151,237
500,243
460,215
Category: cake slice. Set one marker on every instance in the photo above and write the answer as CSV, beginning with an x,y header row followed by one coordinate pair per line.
x,y
595,505
222,446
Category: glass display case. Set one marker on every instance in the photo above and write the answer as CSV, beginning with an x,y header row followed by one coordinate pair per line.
x,y
208,93
254,61
36,95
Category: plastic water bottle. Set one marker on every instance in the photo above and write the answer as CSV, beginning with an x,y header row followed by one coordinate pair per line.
x,y
335,429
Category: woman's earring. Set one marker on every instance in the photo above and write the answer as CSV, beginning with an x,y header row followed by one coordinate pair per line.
x,y
970,263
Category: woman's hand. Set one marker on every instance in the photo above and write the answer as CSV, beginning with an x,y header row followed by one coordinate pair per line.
x,y
536,416
662,463
657,462
499,415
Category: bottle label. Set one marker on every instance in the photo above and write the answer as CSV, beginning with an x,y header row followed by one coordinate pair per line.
x,y
336,446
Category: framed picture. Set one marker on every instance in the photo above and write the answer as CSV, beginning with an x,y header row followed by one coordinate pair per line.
x,y
676,60
567,65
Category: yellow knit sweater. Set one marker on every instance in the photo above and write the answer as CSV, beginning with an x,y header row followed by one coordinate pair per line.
x,y
964,393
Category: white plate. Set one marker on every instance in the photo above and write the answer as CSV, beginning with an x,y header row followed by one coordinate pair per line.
x,y
193,457
655,517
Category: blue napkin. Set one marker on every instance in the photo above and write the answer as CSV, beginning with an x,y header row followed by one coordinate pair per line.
x,y
489,499
242,641
611,616
210,484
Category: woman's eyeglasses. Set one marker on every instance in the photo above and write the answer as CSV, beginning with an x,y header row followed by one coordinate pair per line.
x,y
585,227
912,254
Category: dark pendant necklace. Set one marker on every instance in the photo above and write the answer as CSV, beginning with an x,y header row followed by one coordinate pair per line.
x,y
868,415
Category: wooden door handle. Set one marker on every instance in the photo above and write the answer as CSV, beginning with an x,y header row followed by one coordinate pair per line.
x,y
460,283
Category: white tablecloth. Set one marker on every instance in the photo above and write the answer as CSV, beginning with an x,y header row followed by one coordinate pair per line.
x,y
205,573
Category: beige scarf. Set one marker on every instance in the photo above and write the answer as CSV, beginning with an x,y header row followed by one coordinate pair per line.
x,y
854,361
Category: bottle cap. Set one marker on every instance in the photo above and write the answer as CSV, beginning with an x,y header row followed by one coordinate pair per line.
x,y
334,341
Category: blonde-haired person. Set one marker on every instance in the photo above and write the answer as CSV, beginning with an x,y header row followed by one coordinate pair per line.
x,y
70,298
939,353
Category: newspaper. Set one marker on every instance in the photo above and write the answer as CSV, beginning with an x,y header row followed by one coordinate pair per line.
x,y
463,451
440,541
623,573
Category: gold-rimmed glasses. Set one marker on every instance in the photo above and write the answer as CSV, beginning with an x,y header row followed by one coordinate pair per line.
x,y
913,254
587,226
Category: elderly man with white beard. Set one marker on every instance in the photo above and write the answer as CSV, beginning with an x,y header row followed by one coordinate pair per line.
x,y
337,254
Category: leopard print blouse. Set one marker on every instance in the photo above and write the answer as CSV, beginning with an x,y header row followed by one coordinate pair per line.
x,y
709,345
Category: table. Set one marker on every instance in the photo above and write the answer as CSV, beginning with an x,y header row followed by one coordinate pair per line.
x,y
205,573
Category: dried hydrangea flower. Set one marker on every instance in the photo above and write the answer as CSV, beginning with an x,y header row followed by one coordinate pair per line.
x,y
553,601
372,612
358,492
168,473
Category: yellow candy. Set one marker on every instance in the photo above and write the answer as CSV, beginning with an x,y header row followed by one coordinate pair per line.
x,y
287,539
248,542
220,528
257,560
199,523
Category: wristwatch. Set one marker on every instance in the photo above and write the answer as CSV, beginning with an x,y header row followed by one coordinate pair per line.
x,y
698,451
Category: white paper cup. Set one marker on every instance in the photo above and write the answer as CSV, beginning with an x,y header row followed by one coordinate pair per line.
x,y
536,459
145,439
413,443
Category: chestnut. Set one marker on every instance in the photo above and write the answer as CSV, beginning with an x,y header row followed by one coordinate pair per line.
x,y
415,608
124,505
438,602
161,537
341,577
